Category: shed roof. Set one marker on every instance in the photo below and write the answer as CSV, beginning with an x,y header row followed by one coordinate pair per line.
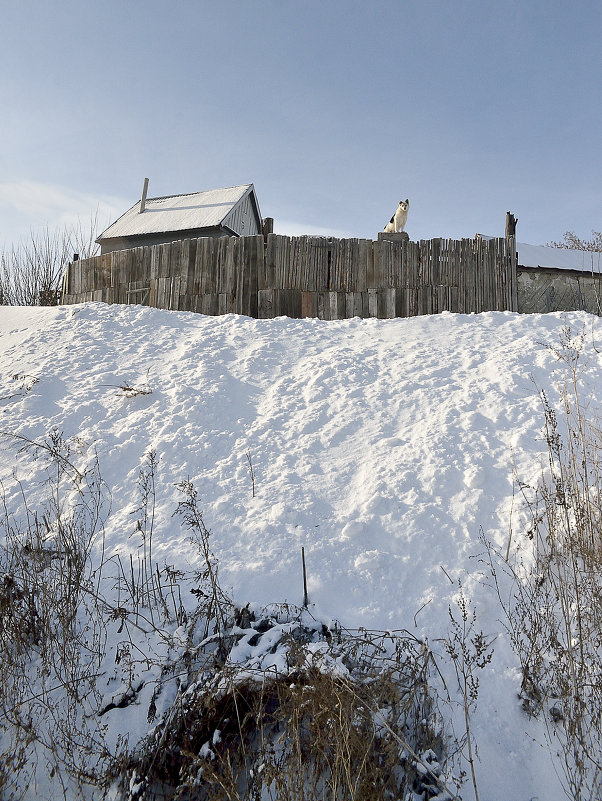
x,y
559,258
178,212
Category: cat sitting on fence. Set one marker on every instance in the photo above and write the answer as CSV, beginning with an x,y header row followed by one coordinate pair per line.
x,y
398,220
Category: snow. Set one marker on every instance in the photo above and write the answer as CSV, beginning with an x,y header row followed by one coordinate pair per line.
x,y
177,212
558,258
384,448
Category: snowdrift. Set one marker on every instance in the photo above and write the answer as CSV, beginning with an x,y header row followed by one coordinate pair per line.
x,y
388,450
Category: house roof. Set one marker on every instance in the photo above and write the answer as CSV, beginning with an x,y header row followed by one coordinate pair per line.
x,y
559,258
178,212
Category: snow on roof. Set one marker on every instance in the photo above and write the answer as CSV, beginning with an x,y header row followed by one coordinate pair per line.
x,y
177,212
558,258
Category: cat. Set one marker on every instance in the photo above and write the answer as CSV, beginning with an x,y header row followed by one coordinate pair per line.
x,y
398,220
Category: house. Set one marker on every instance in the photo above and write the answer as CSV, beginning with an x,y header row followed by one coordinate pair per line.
x,y
217,212
558,279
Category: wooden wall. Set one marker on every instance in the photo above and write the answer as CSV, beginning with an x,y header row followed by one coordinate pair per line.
x,y
542,290
304,276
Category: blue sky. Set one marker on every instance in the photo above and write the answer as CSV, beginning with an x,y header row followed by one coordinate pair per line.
x,y
334,110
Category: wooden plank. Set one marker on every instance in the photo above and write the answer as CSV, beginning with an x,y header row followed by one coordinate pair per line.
x,y
501,276
373,268
441,299
476,277
358,280
250,251
164,260
85,278
221,257
490,277
229,271
271,264
381,258
337,305
256,267
456,260
174,250
435,271
154,262
323,305
513,273
120,264
342,252
444,278
349,305
146,263
129,263
336,258
166,291
160,292
354,265
77,278
322,272
210,304
287,248
484,275
195,280
307,304
395,267
188,265
75,283
422,264
291,275
205,270
386,303
372,302
132,270
265,302
174,293
65,283
291,303
93,270
402,301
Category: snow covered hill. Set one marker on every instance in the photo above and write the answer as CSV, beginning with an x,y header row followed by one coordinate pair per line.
x,y
387,449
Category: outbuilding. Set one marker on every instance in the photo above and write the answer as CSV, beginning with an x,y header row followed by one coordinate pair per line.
x,y
233,211
558,279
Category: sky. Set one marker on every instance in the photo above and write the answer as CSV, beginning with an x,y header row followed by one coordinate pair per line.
x,y
334,110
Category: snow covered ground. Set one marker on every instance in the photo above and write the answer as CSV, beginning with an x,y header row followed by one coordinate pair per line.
x,y
384,448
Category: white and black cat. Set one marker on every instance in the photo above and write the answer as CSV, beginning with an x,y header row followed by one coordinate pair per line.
x,y
398,220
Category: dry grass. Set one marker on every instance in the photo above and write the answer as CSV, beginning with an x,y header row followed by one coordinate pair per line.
x,y
554,612
347,716
270,705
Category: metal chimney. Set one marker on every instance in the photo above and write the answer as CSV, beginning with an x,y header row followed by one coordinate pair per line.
x,y
144,191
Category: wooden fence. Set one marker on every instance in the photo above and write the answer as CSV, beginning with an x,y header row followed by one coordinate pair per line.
x,y
304,276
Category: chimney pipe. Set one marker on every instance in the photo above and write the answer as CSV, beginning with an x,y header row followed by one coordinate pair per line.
x,y
144,191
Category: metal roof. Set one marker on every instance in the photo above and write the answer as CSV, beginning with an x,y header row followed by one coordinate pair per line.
x,y
178,212
558,258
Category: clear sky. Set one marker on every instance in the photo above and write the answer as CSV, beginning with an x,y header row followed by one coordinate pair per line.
x,y
334,110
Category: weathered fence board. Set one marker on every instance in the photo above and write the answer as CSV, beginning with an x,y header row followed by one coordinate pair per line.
x,y
305,276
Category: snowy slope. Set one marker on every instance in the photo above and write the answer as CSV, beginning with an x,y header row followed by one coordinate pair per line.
x,y
381,447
